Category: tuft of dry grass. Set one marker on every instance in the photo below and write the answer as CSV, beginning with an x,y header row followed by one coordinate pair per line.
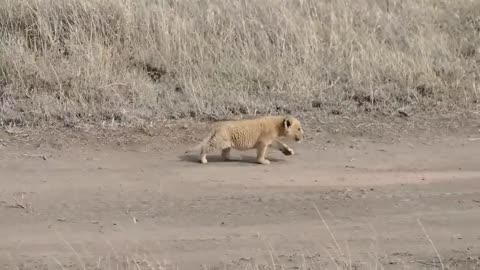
x,y
133,61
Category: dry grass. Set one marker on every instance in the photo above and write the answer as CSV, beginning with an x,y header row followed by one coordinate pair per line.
x,y
134,61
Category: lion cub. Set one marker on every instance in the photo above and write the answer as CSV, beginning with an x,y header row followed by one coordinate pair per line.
x,y
257,133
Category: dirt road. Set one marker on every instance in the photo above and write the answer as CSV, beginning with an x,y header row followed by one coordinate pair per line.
x,y
385,206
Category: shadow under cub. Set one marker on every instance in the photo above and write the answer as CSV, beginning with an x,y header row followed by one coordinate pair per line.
x,y
219,159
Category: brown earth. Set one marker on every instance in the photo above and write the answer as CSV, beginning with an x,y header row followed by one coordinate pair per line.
x,y
351,203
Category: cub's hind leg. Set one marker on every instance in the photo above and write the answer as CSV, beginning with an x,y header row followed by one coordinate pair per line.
x,y
203,155
209,147
226,153
227,156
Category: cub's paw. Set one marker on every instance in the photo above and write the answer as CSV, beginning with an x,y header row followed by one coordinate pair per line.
x,y
287,151
263,162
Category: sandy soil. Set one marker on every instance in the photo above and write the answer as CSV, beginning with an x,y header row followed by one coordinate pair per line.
x,y
359,204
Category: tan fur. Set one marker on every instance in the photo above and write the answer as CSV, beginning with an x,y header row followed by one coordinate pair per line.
x,y
257,133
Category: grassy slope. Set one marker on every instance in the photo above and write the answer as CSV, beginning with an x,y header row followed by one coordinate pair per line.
x,y
74,61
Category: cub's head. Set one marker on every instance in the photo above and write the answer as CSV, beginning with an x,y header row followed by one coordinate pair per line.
x,y
293,128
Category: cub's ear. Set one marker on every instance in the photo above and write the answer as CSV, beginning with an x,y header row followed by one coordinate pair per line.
x,y
287,123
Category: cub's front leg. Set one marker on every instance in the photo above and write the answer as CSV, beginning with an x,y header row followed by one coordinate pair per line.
x,y
261,151
282,147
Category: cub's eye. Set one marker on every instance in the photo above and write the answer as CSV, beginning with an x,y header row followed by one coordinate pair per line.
x,y
299,129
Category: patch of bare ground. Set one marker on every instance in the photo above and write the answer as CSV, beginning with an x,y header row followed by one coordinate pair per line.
x,y
172,134
357,195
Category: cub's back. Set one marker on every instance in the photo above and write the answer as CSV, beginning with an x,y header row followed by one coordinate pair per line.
x,y
246,133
